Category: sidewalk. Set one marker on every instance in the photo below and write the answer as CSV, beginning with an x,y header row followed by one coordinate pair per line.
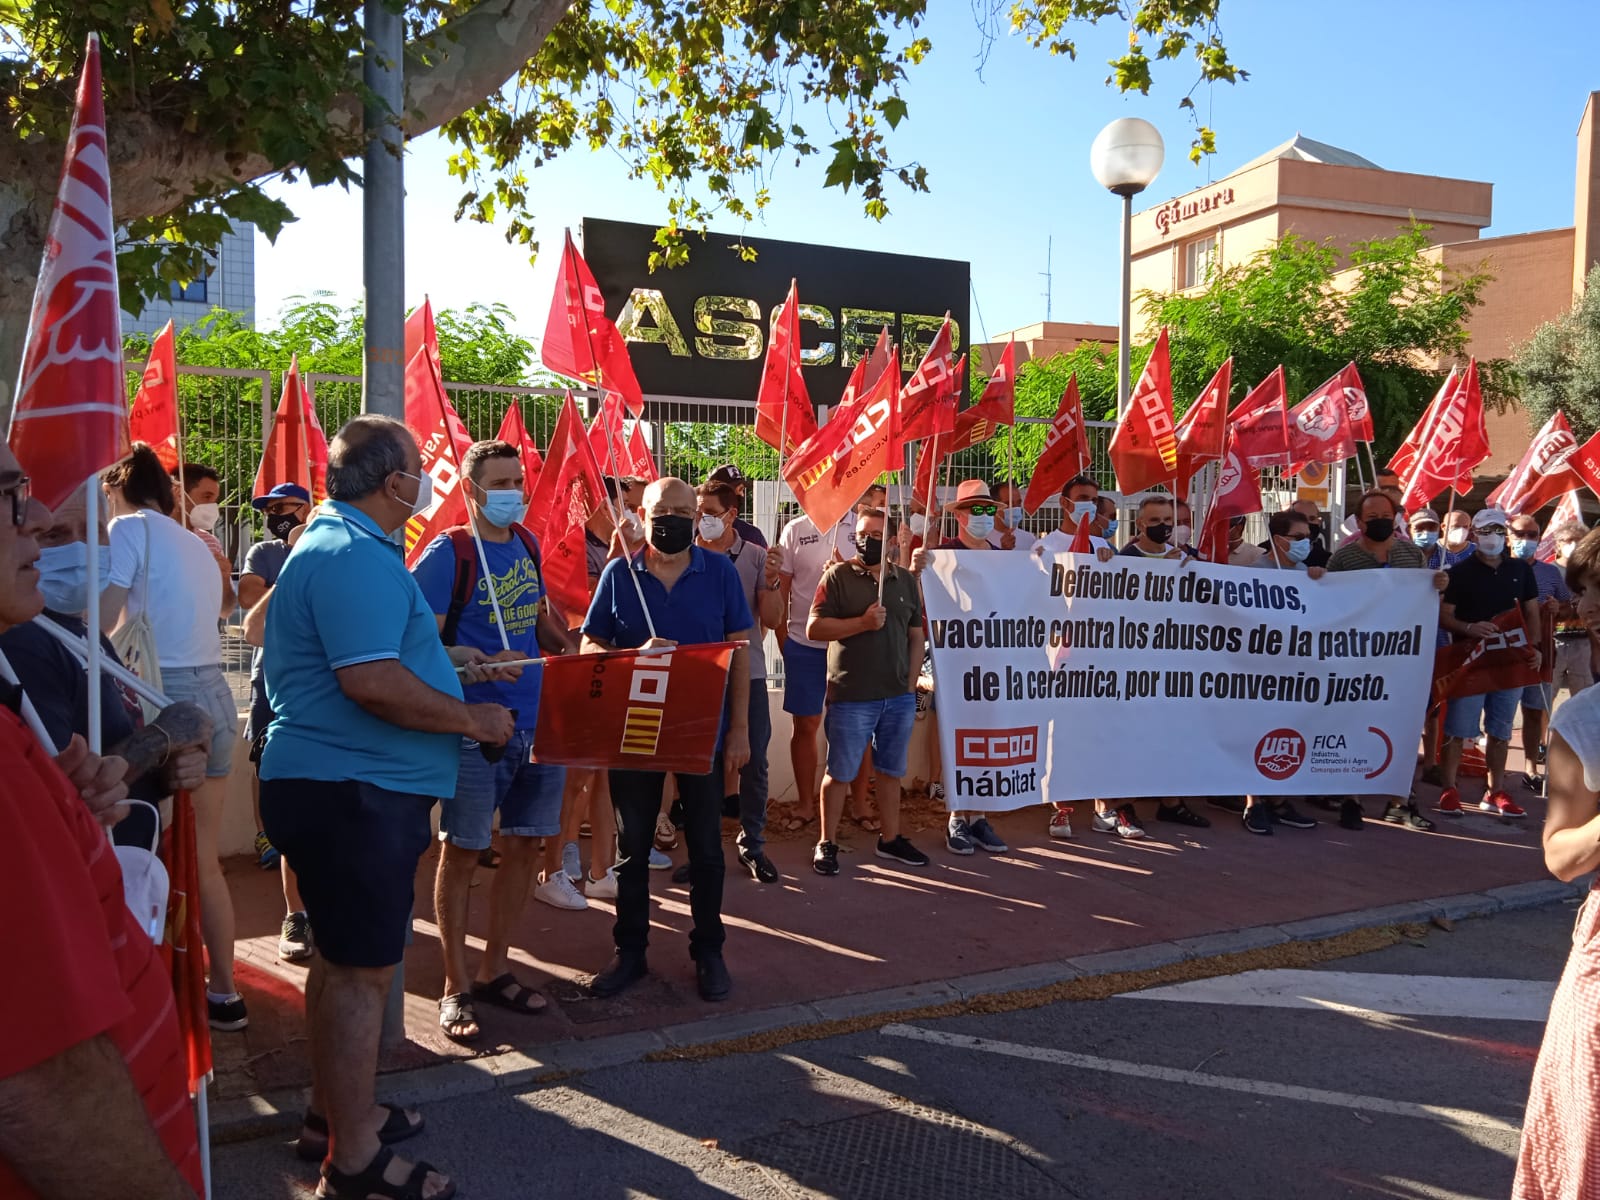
x,y
879,925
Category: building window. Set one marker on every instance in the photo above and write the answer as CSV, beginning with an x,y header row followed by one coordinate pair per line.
x,y
1199,257
194,293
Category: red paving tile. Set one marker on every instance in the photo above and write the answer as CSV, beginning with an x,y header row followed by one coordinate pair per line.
x,y
881,925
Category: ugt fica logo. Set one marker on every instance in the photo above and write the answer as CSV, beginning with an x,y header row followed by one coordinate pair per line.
x,y
1280,753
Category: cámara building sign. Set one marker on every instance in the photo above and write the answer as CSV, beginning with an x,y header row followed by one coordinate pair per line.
x,y
700,330
1187,208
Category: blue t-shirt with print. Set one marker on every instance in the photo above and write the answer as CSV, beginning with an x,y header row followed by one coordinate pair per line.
x,y
519,586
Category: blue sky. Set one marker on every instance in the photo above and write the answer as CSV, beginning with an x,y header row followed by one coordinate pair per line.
x,y
1460,89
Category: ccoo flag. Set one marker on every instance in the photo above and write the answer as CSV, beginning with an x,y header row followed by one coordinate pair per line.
x,y
580,341
297,449
442,439
1144,449
784,413
1066,450
569,490
1203,428
1260,425
154,419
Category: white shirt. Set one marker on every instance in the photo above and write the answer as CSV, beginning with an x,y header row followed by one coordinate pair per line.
x,y
1246,555
1024,541
181,590
1060,542
806,555
1578,723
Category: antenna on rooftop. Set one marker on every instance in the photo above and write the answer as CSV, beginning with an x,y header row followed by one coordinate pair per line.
x,y
1048,246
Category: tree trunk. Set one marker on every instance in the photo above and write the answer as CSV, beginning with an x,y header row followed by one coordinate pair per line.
x,y
24,217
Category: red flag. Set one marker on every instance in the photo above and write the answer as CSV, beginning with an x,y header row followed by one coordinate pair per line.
x,y
70,416
1080,539
1494,664
1405,458
420,331
1453,444
1238,495
297,449
643,463
513,432
1355,402
833,467
154,419
1545,472
1203,427
580,341
182,950
1144,449
1260,425
1586,463
1319,427
868,369
1066,450
569,491
442,439
607,438
928,400
783,406
973,426
609,710
1568,512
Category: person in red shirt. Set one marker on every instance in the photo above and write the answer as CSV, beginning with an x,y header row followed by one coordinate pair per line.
x,y
93,1097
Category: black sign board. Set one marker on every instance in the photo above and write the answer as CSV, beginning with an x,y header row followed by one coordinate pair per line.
x,y
700,330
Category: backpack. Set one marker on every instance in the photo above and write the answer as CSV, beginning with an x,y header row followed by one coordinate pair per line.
x,y
466,577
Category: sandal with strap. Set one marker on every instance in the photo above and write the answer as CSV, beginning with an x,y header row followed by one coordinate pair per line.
x,y
369,1181
495,992
456,1009
397,1127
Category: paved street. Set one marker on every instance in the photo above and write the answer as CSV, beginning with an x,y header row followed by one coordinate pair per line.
x,y
1280,1084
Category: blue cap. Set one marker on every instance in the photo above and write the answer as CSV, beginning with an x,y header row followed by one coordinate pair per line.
x,y
284,491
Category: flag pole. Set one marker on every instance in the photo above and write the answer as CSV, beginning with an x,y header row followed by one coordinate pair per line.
x,y
91,502
788,370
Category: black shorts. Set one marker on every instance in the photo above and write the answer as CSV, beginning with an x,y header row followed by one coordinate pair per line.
x,y
255,726
355,849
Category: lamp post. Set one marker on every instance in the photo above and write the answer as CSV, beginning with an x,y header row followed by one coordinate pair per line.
x,y
1126,157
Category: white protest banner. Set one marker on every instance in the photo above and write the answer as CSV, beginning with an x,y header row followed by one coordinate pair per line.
x,y
1064,678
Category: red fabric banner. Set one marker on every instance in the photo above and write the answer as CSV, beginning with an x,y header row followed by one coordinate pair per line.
x,y
1144,449
642,462
297,449
513,432
1496,664
182,950
420,331
1238,495
974,426
1452,445
443,439
154,417
569,491
833,468
928,400
580,341
1260,425
1355,402
70,414
1066,450
1405,458
783,406
611,710
1203,428
1319,427
1568,512
1545,472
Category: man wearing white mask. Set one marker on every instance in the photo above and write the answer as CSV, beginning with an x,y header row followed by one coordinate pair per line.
x,y
1008,521
527,794
1080,501
199,491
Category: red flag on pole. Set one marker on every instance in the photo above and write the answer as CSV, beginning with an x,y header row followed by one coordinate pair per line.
x,y
181,947
297,449
783,406
1066,450
1492,664
1319,427
643,463
1355,402
1144,449
580,341
1545,472
1568,512
1238,495
70,416
569,491
833,467
1586,463
1405,458
607,438
1453,444
420,331
442,439
995,409
154,418
1260,425
609,710
928,400
514,433
1203,427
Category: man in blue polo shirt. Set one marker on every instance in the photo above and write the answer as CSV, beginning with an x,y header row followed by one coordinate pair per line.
x,y
368,718
694,597
526,793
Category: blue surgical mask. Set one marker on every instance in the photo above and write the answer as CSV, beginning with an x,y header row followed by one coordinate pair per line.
x,y
1082,509
1014,517
1425,539
1524,547
503,509
64,576
980,527
1299,550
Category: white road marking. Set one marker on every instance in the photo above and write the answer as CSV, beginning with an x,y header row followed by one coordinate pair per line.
x,y
1459,1117
1367,994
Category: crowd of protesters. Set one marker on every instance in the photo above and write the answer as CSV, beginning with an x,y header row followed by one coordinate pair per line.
x,y
377,693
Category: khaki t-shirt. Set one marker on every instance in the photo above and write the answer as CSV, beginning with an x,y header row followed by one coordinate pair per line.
x,y
876,664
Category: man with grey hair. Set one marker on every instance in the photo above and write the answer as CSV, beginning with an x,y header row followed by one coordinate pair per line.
x,y
368,718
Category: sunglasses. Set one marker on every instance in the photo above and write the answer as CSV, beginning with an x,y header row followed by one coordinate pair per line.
x,y
983,510
20,492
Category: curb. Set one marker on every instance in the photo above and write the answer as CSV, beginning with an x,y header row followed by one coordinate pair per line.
x,y
279,1112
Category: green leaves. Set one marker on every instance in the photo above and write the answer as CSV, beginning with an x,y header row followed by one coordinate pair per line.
x,y
1559,367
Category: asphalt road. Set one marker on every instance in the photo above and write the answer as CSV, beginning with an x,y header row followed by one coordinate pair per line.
x,y
1314,1085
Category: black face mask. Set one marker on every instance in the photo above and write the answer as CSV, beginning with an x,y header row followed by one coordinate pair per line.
x,y
281,525
1379,529
870,549
1159,534
1316,532
671,534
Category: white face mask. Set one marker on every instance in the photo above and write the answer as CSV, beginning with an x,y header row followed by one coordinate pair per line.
x,y
1455,537
632,527
424,493
64,576
1082,509
1014,517
204,517
712,528
1180,535
1492,544
919,524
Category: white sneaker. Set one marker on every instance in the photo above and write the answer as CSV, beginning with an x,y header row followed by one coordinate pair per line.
x,y
558,891
604,888
1061,824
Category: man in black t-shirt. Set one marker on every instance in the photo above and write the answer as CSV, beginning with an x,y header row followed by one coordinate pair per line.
x,y
1482,587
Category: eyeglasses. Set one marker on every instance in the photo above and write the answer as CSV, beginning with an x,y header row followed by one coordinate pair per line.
x,y
20,492
1489,529
983,510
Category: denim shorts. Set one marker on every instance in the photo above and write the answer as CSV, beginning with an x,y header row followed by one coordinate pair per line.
x,y
206,688
1496,711
805,678
885,725
1533,697
528,795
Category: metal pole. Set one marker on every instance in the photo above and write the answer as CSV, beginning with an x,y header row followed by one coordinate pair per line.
x,y
383,212
1125,312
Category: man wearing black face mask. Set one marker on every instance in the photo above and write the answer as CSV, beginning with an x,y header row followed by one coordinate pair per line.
x,y
875,648
1155,530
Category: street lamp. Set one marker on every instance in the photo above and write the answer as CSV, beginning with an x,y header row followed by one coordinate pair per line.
x,y
1126,158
